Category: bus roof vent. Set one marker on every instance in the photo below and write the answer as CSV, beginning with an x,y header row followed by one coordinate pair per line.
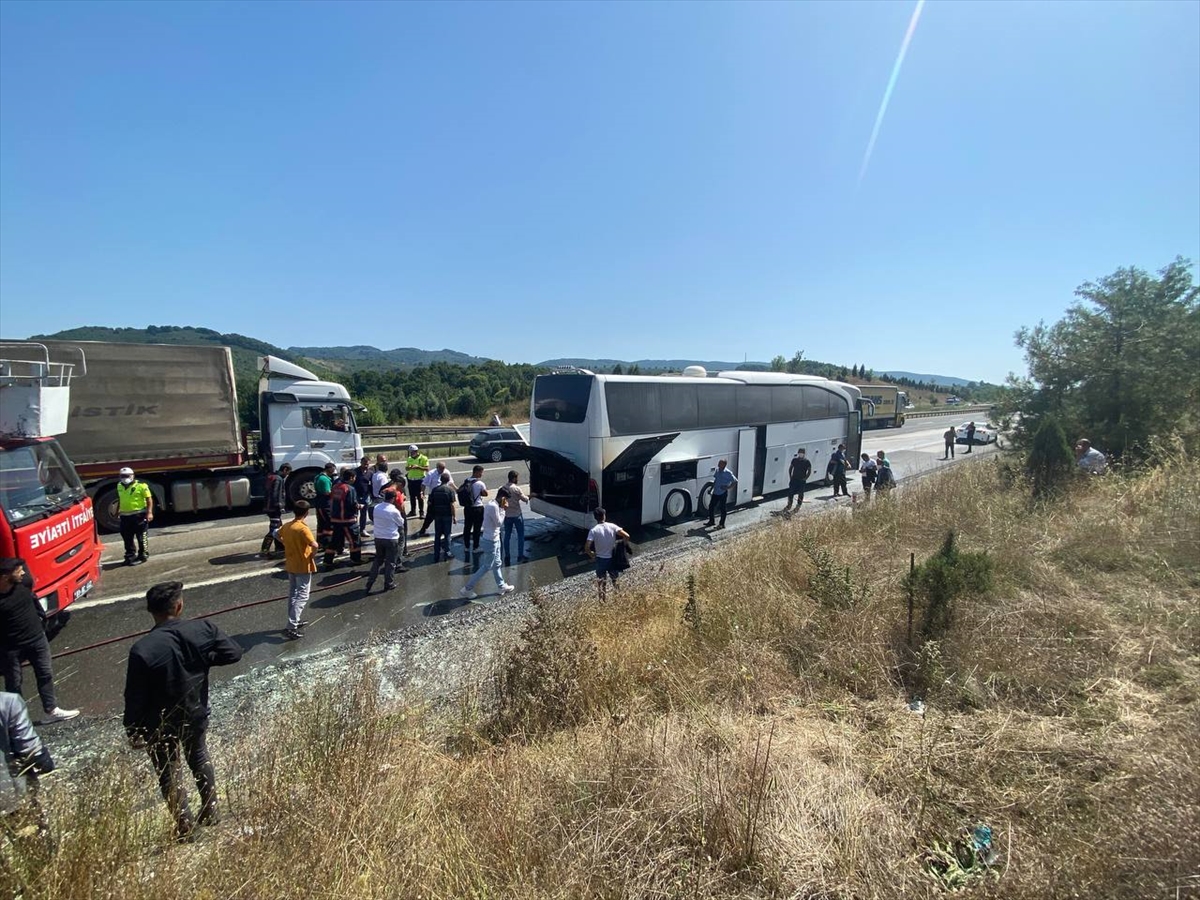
x,y
695,372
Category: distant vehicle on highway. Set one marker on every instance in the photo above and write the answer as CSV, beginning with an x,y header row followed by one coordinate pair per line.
x,y
496,444
952,400
985,433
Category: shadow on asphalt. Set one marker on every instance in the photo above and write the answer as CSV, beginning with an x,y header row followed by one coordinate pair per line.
x,y
233,559
252,639
442,607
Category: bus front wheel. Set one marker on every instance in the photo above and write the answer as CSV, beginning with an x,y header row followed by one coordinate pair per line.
x,y
677,507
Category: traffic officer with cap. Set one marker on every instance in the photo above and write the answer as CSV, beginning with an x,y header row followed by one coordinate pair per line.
x,y
137,512
416,468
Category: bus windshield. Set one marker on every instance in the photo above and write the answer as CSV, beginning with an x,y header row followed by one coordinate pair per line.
x,y
562,398
35,481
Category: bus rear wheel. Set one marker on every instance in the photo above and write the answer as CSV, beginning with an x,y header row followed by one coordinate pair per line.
x,y
704,502
677,507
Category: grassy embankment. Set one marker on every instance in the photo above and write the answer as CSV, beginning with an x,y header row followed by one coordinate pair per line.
x,y
754,742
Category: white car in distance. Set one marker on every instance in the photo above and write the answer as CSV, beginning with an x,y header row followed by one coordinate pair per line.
x,y
985,433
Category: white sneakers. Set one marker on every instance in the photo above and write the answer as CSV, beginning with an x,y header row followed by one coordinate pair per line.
x,y
508,589
470,595
58,714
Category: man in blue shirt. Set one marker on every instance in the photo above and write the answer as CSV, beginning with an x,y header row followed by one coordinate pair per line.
x,y
723,482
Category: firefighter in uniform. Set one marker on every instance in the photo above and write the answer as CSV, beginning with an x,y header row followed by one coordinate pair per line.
x,y
137,512
323,486
343,520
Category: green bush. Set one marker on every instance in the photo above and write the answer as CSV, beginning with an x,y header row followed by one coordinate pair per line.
x,y
1050,461
941,579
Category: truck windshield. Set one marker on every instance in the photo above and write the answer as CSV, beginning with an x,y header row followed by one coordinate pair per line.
x,y
35,481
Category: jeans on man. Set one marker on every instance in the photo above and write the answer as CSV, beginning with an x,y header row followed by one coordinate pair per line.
x,y
489,553
514,523
165,751
299,587
386,551
472,527
719,503
441,537
38,655
134,525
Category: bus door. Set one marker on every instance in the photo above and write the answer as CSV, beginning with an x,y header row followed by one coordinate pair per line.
x,y
853,438
746,475
623,487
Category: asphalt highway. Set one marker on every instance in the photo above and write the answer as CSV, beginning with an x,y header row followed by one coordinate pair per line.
x,y
217,561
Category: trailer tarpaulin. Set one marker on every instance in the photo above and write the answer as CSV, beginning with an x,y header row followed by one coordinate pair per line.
x,y
151,402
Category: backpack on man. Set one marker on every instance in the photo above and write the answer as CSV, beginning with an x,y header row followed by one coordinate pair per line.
x,y
466,493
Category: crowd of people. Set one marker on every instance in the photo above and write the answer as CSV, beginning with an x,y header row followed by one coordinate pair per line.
x,y
392,505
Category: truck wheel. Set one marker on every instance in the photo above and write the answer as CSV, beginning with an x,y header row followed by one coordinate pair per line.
x,y
300,485
106,507
676,508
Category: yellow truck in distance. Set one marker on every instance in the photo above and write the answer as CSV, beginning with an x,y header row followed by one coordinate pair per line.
x,y
888,403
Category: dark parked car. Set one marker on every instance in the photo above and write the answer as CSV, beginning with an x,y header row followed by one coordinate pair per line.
x,y
495,444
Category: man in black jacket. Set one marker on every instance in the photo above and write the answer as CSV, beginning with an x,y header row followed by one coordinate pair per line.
x,y
23,638
166,700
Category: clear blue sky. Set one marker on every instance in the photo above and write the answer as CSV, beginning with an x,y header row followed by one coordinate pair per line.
x,y
605,180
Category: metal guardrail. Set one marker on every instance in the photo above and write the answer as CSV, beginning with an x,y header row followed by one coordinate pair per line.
x,y
947,411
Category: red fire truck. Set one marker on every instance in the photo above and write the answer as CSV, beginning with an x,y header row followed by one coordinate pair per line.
x,y
46,515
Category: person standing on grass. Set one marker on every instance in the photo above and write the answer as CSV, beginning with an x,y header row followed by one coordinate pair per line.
x,y
869,470
885,479
388,525
1089,459
276,497
343,522
416,467
25,757
723,482
323,485
23,639
136,507
166,701
799,470
433,480
489,548
970,435
514,520
475,490
362,490
300,562
443,510
601,542
949,437
837,467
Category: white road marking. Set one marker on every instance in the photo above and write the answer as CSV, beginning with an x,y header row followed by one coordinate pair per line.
x,y
224,579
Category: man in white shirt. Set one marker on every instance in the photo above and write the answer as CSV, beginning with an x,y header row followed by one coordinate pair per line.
x,y
601,542
1089,459
514,520
489,547
388,524
473,513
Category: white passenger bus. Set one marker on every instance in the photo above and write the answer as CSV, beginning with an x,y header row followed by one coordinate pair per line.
x,y
645,447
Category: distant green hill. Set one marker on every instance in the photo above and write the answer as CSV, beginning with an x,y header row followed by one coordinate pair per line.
x,y
363,357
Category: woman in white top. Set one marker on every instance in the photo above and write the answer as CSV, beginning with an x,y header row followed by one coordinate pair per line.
x,y
601,541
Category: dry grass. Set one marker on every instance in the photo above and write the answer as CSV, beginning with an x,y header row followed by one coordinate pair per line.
x,y
760,746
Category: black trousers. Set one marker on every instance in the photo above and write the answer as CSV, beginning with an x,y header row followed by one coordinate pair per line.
x,y
166,751
839,481
274,523
472,527
134,525
795,488
416,497
37,653
949,450
718,504
344,536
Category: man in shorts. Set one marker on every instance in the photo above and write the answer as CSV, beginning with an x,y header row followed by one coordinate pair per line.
x,y
601,542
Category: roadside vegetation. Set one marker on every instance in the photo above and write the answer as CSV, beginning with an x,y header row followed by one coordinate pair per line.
x,y
752,722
